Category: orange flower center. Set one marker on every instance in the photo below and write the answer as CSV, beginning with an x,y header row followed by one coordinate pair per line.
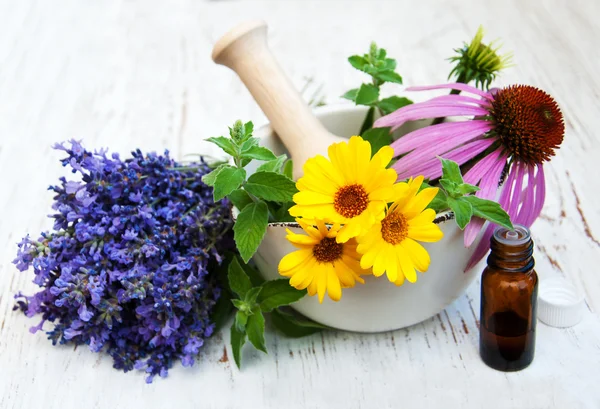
x,y
351,200
528,122
394,228
327,250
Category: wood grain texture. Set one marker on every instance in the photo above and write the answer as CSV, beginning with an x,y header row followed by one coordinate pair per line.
x,y
125,74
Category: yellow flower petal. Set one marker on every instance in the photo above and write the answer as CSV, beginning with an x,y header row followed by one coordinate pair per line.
x,y
312,198
292,260
333,284
321,278
408,270
418,254
419,202
301,240
391,261
428,233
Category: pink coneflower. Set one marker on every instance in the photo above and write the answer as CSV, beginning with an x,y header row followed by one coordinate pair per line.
x,y
518,125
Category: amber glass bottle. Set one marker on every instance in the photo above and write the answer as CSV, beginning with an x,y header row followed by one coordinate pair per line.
x,y
509,287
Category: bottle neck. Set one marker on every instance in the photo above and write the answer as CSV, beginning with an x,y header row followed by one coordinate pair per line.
x,y
515,258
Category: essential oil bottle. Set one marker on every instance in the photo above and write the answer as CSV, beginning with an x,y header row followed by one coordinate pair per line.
x,y
509,288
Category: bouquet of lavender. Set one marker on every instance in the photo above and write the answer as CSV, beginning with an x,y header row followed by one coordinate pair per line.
x,y
126,265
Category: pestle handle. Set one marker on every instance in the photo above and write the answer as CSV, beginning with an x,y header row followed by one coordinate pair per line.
x,y
244,49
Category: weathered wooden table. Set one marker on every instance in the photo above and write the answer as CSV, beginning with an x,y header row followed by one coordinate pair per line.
x,y
127,74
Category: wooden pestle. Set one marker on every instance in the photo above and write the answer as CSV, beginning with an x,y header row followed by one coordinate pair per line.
x,y
244,49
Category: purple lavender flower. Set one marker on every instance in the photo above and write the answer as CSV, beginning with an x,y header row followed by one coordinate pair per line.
x,y
127,266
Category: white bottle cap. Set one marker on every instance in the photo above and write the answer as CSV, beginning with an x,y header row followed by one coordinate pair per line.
x,y
560,304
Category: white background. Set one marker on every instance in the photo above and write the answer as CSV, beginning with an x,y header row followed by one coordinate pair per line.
x,y
126,74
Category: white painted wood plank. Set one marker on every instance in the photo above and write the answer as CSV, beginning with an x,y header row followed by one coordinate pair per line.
x,y
129,74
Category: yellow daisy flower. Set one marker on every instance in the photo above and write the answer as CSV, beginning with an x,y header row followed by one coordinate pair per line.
x,y
321,264
391,246
351,188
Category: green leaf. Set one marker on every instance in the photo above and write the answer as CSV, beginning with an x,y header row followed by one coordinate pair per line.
x,y
258,153
272,165
240,304
276,293
358,62
368,94
463,211
238,339
252,295
271,186
489,210
255,277
293,326
351,95
450,187
466,189
248,144
378,138
439,202
224,143
368,122
389,64
239,282
451,171
222,310
228,180
250,228
241,318
391,104
288,169
256,330
240,198
210,178
282,214
248,129
388,76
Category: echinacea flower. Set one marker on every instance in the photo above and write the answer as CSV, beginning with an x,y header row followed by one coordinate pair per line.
x,y
479,62
519,126
321,264
351,188
391,246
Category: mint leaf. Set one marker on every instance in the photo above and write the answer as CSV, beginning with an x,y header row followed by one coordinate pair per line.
x,y
255,277
248,144
282,214
489,210
358,62
378,138
439,202
368,94
271,186
292,326
450,187
256,330
391,104
227,180
466,189
250,228
209,178
248,129
224,143
463,211
241,318
252,295
451,171
258,153
351,95
388,63
276,293
288,169
272,165
240,198
238,280
238,339
388,76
